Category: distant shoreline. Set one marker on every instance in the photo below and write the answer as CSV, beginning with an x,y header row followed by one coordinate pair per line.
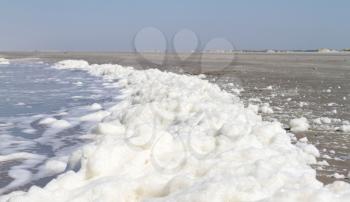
x,y
198,63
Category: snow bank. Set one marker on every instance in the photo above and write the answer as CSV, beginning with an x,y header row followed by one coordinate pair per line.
x,y
4,61
179,138
299,124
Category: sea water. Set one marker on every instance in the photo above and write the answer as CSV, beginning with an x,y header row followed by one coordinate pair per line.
x,y
31,94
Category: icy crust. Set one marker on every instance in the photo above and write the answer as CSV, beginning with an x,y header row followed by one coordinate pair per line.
x,y
179,138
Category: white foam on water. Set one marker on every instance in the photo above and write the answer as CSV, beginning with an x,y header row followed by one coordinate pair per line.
x,y
180,138
10,144
21,173
338,176
46,139
52,167
299,124
20,176
62,124
19,155
95,106
96,116
29,165
54,123
323,163
4,61
47,121
345,128
266,109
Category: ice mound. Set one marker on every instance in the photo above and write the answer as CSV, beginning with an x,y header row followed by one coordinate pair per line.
x,y
4,61
179,138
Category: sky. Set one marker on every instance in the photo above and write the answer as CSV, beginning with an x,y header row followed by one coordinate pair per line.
x,y
95,25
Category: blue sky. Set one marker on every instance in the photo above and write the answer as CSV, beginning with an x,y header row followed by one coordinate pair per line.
x,y
92,25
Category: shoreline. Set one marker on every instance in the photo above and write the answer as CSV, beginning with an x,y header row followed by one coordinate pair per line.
x,y
301,65
249,151
255,72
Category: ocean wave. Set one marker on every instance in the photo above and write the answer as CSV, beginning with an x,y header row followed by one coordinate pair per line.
x,y
181,138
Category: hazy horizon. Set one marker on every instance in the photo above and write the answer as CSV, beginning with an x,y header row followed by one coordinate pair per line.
x,y
113,25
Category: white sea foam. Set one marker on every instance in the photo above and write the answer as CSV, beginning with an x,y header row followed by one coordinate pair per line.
x,y
299,124
179,138
345,128
4,61
20,173
96,116
54,123
19,155
51,167
327,50
95,106
265,108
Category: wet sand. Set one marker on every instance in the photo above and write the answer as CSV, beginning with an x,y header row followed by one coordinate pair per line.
x,y
311,85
